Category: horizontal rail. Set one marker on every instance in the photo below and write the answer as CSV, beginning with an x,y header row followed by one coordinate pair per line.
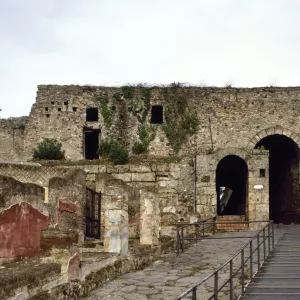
x,y
259,245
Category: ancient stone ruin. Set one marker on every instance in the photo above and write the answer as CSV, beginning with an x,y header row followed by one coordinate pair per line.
x,y
194,153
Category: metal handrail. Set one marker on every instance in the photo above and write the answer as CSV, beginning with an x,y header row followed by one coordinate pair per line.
x,y
196,235
269,237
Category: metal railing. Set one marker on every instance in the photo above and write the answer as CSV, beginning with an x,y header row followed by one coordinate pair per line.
x,y
241,267
193,232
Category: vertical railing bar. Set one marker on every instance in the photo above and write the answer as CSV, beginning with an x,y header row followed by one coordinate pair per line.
x,y
203,229
216,286
251,260
182,239
230,280
264,242
269,238
194,297
242,271
258,251
178,239
273,244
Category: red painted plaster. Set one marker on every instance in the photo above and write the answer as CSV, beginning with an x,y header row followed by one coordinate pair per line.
x,y
20,231
73,266
68,207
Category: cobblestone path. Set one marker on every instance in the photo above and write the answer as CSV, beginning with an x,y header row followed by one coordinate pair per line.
x,y
169,277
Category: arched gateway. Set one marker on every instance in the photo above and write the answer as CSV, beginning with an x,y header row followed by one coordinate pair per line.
x,y
231,185
284,202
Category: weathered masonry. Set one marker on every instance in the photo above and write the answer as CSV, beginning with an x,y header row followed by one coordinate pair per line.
x,y
246,145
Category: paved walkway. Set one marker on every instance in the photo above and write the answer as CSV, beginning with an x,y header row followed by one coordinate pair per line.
x,y
172,275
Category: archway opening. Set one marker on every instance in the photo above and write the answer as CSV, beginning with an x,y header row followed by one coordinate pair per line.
x,y
283,177
231,186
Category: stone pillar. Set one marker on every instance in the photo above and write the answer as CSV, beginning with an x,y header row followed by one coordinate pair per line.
x,y
149,222
116,217
116,239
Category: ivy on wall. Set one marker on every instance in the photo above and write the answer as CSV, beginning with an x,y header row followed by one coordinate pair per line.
x,y
107,111
147,134
180,121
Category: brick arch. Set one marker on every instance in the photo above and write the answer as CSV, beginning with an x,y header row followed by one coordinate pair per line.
x,y
271,131
220,154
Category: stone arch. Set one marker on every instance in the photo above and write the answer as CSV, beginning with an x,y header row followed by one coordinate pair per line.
x,y
271,131
220,154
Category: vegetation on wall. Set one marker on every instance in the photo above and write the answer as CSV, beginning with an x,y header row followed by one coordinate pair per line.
x,y
180,121
107,111
114,150
49,149
147,134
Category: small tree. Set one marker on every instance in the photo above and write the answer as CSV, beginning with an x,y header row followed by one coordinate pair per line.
x,y
49,149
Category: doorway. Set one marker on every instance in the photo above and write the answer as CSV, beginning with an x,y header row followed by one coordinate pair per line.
x,y
283,177
91,143
231,186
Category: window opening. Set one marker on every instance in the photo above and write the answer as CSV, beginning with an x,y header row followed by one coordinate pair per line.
x,y
92,114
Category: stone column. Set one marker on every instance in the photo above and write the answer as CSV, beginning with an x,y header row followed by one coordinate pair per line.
x,y
149,221
116,217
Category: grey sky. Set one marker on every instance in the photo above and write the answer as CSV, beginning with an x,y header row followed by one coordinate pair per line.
x,y
114,42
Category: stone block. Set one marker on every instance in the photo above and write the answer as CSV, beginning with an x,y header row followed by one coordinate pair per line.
x,y
127,177
143,176
139,169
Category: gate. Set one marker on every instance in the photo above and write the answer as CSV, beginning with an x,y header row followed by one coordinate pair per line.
x,y
93,214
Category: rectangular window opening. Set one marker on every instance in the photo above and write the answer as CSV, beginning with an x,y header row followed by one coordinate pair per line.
x,y
59,109
92,114
156,114
46,108
74,109
262,173
66,103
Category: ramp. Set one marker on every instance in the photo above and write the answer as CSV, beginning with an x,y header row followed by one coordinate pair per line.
x,y
279,277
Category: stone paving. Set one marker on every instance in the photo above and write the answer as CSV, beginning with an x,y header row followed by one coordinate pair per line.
x,y
170,276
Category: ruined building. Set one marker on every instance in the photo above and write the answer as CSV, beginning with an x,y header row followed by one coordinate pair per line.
x,y
226,152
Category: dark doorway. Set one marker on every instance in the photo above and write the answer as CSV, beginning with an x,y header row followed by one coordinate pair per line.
x,y
283,177
91,143
231,183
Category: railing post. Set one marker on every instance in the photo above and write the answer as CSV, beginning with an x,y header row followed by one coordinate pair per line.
x,y
178,239
251,261
182,239
264,242
203,229
242,271
216,286
258,252
273,244
194,297
230,281
196,232
269,240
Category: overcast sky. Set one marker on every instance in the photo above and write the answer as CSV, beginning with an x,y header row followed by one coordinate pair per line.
x,y
113,42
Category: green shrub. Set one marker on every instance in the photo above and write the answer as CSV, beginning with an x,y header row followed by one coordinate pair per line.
x,y
21,126
139,148
49,149
115,151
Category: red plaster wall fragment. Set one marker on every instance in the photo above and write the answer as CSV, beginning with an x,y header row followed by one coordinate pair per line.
x,y
73,266
20,231
68,207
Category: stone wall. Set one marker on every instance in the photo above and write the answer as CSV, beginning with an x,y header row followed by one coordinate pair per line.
x,y
23,215
257,202
229,117
12,138
58,207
